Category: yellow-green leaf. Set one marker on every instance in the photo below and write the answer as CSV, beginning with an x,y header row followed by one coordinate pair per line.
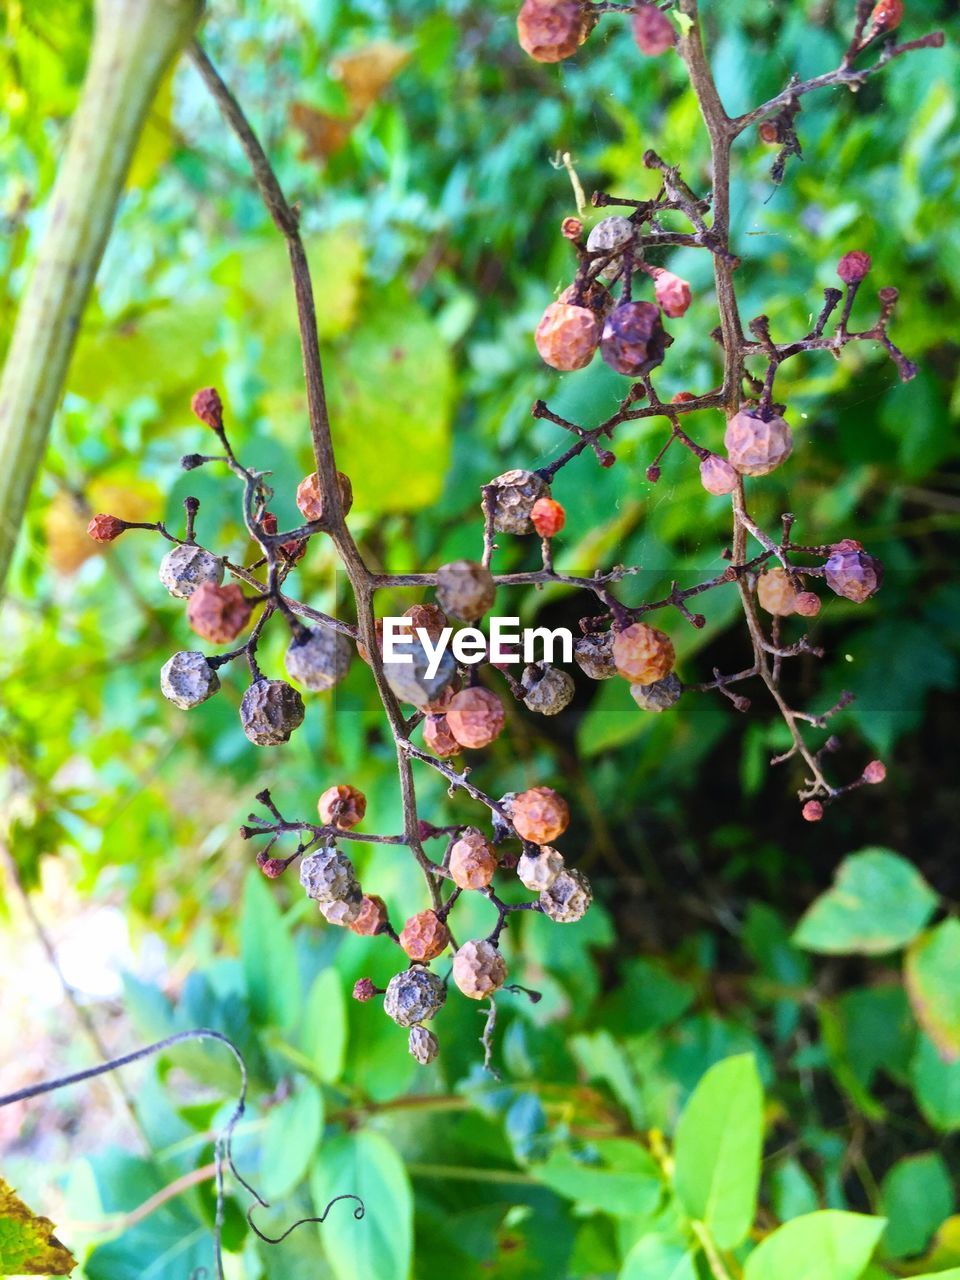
x,y
28,1246
931,968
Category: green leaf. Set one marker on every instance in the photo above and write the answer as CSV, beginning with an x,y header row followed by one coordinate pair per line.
x,y
379,1246
916,1197
717,1149
269,959
936,1085
654,1258
290,1138
878,902
28,1246
829,1242
620,1178
931,969
324,1034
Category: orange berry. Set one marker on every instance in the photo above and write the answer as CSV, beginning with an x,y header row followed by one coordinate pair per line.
x,y
218,614
342,806
643,654
310,498
567,336
539,815
424,936
548,517
475,717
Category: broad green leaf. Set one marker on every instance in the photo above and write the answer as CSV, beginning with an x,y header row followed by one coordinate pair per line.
x,y
931,973
269,959
379,1245
156,137
324,1033
936,1085
622,1178
28,1246
290,1138
654,1258
878,902
717,1149
829,1243
916,1197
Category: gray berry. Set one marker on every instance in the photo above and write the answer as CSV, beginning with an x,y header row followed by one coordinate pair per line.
x,y
270,710
610,233
343,911
184,568
658,696
465,589
413,996
423,1045
538,871
187,679
409,680
512,498
593,654
318,659
329,876
547,690
568,898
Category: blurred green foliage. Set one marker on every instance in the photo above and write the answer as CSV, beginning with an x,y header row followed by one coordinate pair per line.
x,y
433,232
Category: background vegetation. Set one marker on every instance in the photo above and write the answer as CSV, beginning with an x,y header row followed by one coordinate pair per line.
x,y
422,146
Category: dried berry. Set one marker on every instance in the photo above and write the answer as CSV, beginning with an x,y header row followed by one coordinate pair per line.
x,y
465,589
776,592
886,16
409,680
342,806
475,717
427,617
187,679
371,918
717,475
567,336
571,228
423,1044
658,696
653,30
547,517
479,969
537,871
343,911
272,868
875,772
184,568
472,860
853,266
852,573
413,996
270,710
568,898
378,632
593,654
643,654
610,235
757,446
104,528
512,497
218,614
208,407
329,876
438,738
539,815
310,498
424,936
592,294
673,293
769,131
807,604
318,658
812,811
634,340
546,690
551,30
364,990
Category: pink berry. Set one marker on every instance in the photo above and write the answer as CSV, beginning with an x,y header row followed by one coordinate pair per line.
x,y
653,30
853,267
673,293
567,336
813,811
717,475
875,772
756,446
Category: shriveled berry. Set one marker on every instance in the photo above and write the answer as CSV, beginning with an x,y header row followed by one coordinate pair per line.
x,y
567,336
310,497
272,868
329,876
769,131
185,568
342,806
378,632
364,990
717,475
546,690
658,696
886,16
187,679
438,738
475,717
673,292
537,871
547,517
424,936
343,911
512,496
423,1044
807,604
593,654
875,772
853,266
571,228
465,589
371,917
270,710
812,811
472,860
642,653
409,680
218,614
427,617
551,30
776,592
634,340
611,234
318,658
413,996
479,969
208,407
539,815
568,898
757,446
852,573
652,30
593,294
104,528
